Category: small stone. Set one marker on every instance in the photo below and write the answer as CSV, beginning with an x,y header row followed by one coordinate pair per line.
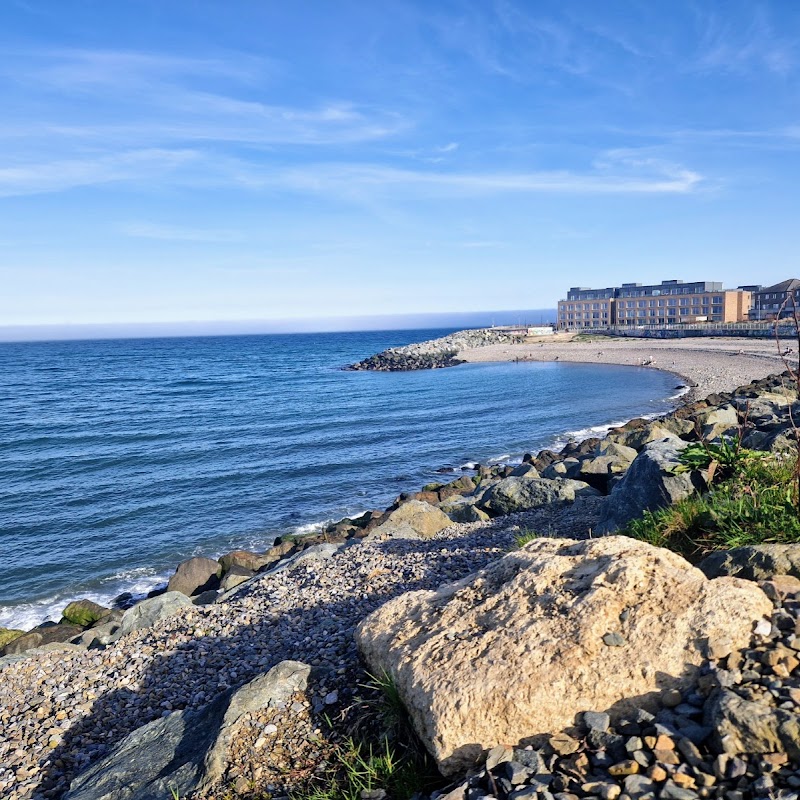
x,y
498,755
664,742
671,791
602,789
270,729
657,773
596,721
666,757
639,787
516,773
628,767
684,781
613,639
671,698
763,627
331,698
563,744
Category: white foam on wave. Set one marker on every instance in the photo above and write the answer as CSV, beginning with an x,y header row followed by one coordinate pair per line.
x,y
138,582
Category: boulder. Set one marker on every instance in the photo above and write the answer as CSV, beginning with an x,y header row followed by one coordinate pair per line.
x,y
651,482
463,509
413,520
525,471
195,575
559,627
511,495
568,468
43,635
311,555
99,635
608,459
743,726
636,440
8,635
756,562
717,422
236,576
185,751
84,613
149,612
247,559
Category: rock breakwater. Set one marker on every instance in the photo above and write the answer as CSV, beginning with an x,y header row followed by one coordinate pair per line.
x,y
436,353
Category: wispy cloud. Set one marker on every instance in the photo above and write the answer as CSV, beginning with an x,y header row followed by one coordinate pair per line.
x,y
726,45
56,176
175,233
354,179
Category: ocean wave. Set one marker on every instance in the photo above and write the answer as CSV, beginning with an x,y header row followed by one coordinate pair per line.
x,y
138,582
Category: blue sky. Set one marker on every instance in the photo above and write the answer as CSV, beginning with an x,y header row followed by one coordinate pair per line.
x,y
209,160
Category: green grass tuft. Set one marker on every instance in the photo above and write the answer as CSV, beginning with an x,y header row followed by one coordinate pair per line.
x,y
757,504
524,536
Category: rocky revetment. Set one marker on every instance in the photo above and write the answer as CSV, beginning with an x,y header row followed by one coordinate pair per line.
x,y
538,647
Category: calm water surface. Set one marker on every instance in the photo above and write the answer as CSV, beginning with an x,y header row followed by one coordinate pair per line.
x,y
120,458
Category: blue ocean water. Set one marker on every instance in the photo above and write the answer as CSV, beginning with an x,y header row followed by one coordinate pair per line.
x,y
120,458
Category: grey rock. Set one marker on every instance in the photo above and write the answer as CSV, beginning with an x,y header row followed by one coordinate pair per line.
x,y
463,509
566,468
650,483
742,726
755,562
596,721
148,612
185,750
638,787
315,554
38,637
235,576
525,471
195,575
511,495
412,520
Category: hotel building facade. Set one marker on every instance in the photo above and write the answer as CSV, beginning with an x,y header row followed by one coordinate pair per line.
x,y
667,303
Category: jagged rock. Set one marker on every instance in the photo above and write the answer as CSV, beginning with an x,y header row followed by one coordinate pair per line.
x,y
536,621
148,612
84,613
719,421
463,509
43,635
185,750
609,459
651,482
247,559
755,562
413,520
511,495
195,575
99,635
743,726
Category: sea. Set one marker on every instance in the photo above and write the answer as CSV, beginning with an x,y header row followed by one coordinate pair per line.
x,y
120,458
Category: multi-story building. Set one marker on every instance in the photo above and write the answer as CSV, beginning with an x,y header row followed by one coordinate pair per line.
x,y
587,308
668,303
768,301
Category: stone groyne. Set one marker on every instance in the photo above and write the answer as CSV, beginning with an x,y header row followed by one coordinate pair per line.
x,y
435,353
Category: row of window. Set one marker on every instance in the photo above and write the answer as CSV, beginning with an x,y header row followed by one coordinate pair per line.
x,y
695,301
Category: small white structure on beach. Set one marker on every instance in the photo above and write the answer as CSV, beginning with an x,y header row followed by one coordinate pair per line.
x,y
543,331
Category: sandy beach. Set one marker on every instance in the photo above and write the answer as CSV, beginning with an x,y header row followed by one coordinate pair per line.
x,y
706,365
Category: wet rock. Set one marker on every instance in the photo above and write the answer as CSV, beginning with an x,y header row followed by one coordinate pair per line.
x,y
84,613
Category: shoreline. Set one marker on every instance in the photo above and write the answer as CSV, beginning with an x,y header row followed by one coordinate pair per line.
x,y
305,609
695,366
707,366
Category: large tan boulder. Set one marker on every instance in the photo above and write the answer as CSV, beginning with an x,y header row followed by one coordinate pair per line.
x,y
412,520
557,628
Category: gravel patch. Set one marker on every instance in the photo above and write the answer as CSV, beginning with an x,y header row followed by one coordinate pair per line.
x,y
61,712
